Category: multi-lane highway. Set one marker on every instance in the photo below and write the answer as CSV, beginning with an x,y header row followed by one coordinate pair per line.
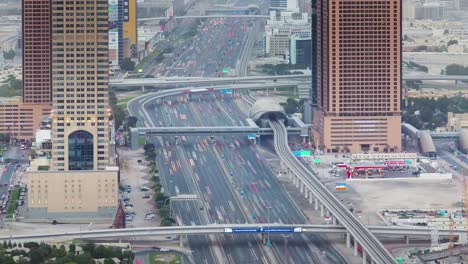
x,y
230,175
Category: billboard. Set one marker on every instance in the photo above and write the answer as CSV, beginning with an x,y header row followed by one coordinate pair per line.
x,y
113,32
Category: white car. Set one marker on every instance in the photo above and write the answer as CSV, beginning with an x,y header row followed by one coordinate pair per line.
x,y
149,217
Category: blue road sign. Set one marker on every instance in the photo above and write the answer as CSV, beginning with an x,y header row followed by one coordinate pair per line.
x,y
278,229
251,136
245,230
296,153
226,91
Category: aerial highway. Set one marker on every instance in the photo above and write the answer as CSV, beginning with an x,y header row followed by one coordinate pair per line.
x,y
224,229
161,81
361,233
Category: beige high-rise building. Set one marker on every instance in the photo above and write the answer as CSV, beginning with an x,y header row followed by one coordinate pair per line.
x,y
358,65
80,70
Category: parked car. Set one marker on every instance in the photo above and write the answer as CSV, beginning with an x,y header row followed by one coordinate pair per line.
x,y
146,196
128,218
144,188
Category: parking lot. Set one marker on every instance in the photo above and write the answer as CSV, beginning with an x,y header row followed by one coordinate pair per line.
x,y
136,191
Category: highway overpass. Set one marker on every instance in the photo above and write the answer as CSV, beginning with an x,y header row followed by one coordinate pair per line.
x,y
207,131
166,81
230,229
202,16
161,81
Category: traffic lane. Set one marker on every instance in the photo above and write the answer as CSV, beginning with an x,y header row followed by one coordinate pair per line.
x,y
221,205
234,252
223,202
185,212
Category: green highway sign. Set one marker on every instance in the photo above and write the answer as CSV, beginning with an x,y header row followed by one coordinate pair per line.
x,y
226,70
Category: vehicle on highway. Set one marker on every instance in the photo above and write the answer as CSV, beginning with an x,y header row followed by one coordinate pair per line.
x,y
144,188
23,147
146,196
128,218
149,217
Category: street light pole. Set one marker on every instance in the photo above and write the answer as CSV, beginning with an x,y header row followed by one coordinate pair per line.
x,y
268,219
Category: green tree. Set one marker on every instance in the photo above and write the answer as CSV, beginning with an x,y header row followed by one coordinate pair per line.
x,y
456,69
13,83
36,257
132,121
452,42
127,65
168,221
84,259
72,248
9,55
109,261
291,106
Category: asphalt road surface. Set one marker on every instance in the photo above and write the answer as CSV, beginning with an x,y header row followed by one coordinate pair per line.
x,y
235,182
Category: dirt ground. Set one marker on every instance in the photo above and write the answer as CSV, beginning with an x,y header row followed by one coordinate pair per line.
x,y
136,174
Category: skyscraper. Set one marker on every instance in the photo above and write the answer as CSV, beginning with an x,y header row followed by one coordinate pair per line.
x,y
130,37
80,70
36,52
357,57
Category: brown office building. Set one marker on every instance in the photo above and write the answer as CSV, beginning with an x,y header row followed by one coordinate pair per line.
x,y
356,89
20,119
36,52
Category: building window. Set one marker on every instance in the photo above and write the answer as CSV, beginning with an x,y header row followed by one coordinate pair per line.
x,y
80,151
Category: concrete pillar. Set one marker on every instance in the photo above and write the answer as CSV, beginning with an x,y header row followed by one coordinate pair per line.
x,y
294,180
301,186
297,182
355,248
327,212
364,257
142,88
407,240
348,240
322,211
334,220
316,203
306,192
134,138
463,238
310,197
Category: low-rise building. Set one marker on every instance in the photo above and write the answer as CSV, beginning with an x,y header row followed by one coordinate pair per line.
x,y
74,196
21,120
457,121
280,28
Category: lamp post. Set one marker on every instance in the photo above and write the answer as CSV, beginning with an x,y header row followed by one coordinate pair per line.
x,y
268,222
